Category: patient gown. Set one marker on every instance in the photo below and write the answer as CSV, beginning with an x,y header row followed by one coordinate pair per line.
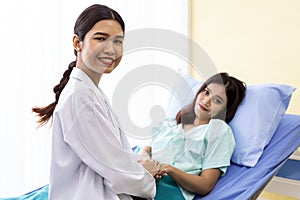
x,y
203,147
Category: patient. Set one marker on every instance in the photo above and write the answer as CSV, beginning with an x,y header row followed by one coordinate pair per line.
x,y
194,149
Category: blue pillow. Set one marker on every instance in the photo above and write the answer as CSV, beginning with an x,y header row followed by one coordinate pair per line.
x,y
255,121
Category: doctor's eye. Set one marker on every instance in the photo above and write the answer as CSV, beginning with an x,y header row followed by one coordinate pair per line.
x,y
118,42
100,39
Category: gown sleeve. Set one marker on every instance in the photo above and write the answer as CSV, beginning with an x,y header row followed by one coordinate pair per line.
x,y
92,135
220,145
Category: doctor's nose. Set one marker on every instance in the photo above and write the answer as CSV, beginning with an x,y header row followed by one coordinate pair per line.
x,y
109,47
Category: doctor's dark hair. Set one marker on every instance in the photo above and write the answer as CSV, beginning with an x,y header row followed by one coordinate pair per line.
x,y
235,93
84,23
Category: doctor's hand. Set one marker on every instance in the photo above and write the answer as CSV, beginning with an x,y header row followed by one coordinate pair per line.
x,y
152,166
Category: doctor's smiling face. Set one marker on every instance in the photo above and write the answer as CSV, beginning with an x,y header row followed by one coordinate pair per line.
x,y
101,49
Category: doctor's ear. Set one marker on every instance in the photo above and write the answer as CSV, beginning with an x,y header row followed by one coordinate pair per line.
x,y
76,43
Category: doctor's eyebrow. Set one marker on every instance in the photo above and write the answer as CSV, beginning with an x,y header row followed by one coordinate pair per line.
x,y
107,35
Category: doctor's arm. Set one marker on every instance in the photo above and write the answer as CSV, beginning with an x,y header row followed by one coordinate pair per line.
x,y
145,153
92,137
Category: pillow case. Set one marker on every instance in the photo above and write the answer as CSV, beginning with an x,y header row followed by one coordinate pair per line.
x,y
255,121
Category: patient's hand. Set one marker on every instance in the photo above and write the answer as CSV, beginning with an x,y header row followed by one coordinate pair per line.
x,y
163,170
152,166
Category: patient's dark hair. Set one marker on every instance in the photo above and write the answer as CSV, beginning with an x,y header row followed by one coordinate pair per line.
x,y
235,92
84,23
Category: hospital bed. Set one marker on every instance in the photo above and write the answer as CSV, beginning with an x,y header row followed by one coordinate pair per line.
x,y
241,182
244,179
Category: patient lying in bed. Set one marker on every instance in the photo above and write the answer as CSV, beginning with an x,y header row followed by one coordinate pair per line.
x,y
194,149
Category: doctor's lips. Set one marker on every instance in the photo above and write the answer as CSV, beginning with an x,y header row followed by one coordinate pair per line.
x,y
107,60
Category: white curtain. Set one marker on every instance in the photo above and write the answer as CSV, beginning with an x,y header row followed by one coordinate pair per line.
x,y
36,38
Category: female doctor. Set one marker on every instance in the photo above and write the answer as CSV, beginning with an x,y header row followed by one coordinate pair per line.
x,y
91,157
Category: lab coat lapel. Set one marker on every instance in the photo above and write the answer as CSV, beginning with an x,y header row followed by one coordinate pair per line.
x,y
81,76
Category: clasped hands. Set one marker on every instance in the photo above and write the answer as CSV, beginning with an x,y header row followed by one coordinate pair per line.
x,y
156,169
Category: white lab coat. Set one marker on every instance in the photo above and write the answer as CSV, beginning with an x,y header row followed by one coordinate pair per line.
x,y
91,157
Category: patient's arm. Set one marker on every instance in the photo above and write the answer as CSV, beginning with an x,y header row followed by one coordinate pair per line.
x,y
201,184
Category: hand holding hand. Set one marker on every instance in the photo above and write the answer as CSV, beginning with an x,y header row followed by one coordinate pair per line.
x,y
152,166
163,170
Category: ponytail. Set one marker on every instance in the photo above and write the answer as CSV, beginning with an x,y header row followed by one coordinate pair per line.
x,y
45,113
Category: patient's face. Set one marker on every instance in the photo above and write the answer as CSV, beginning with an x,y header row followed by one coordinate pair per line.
x,y
211,101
